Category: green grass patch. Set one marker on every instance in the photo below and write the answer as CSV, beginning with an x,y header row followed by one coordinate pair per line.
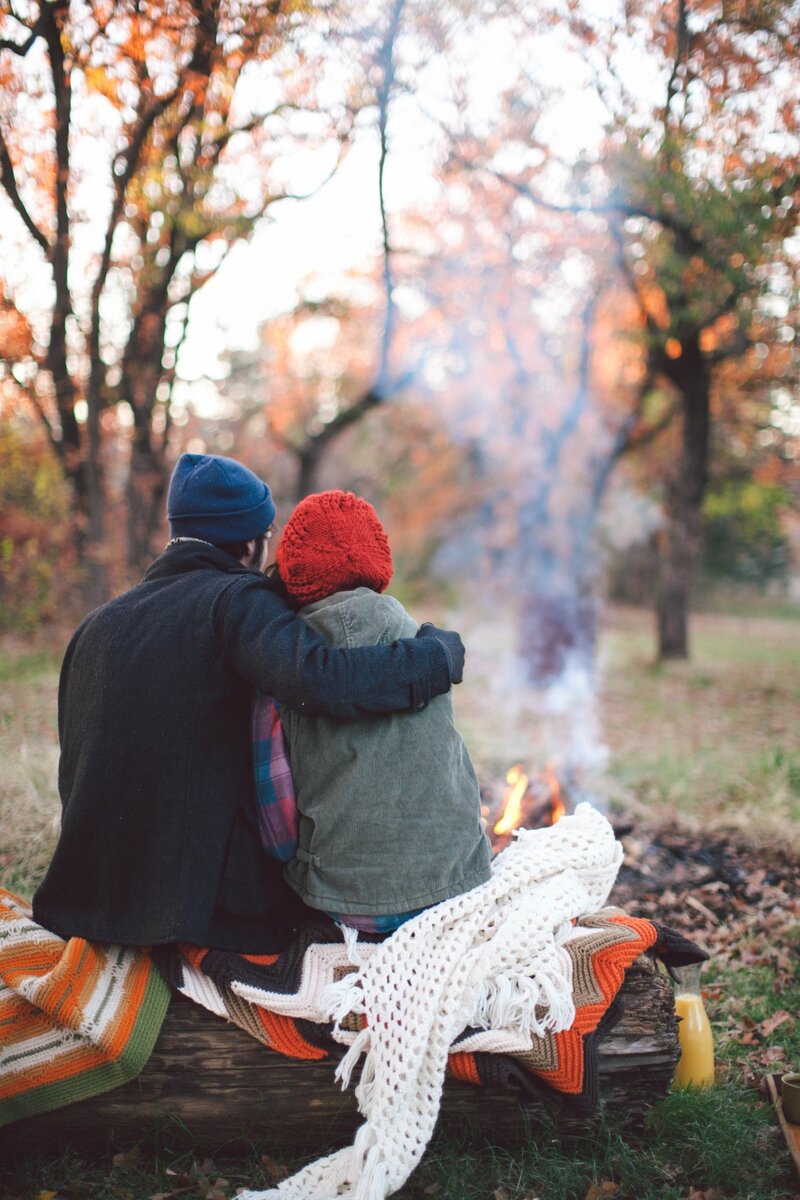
x,y
753,1003
745,602
723,1138
21,667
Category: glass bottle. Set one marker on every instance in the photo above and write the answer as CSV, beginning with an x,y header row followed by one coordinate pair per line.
x,y
696,1064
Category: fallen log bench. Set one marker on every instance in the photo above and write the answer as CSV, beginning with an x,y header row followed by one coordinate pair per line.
x,y
210,1084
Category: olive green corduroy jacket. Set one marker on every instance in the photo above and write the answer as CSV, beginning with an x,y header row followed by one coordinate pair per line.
x,y
389,805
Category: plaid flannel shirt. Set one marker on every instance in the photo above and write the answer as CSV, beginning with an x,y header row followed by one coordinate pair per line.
x,y
275,798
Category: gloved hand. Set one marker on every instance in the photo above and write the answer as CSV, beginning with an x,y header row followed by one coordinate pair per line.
x,y
452,644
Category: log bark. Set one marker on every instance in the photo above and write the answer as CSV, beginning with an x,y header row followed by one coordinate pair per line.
x,y
209,1085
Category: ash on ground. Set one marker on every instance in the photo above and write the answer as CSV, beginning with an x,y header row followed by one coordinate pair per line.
x,y
712,887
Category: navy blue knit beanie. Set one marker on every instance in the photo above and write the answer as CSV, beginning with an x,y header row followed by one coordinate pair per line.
x,y
218,500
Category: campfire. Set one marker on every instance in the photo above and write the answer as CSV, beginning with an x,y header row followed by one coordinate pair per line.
x,y
527,801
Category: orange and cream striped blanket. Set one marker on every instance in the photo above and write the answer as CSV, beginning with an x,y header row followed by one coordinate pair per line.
x,y
76,1018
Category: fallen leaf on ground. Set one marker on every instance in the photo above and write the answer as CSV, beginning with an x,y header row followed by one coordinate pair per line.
x,y
600,1191
127,1158
770,1024
275,1170
771,1055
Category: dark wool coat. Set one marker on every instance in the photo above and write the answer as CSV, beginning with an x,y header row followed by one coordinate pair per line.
x,y
158,839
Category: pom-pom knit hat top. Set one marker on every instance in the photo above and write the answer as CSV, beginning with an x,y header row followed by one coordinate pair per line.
x,y
332,542
218,500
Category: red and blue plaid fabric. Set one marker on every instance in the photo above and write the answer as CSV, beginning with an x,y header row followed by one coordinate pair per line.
x,y
275,798
364,924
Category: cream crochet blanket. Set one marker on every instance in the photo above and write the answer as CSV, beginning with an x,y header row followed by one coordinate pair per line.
x,y
492,958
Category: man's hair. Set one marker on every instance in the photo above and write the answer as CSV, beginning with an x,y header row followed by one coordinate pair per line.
x,y
238,550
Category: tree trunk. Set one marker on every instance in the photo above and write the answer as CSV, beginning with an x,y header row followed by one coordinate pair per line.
x,y
310,454
677,555
142,371
679,546
145,490
210,1084
308,463
96,582
81,463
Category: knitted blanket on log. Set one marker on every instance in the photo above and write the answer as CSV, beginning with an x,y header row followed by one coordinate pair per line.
x,y
511,984
494,962
76,1019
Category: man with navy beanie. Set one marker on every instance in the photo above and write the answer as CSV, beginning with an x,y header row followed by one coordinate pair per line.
x,y
158,838
218,500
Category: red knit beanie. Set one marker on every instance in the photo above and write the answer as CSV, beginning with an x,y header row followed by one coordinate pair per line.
x,y
332,542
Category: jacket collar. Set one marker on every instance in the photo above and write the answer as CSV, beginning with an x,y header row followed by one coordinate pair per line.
x,y
193,555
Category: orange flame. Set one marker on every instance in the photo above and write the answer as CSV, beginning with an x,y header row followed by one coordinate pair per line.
x,y
517,782
557,807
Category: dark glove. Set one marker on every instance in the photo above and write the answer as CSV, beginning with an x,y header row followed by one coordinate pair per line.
x,y
452,644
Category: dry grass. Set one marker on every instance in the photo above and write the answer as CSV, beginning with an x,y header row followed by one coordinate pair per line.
x,y
711,742
29,806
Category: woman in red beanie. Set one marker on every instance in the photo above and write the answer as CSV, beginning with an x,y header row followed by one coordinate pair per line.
x,y
389,806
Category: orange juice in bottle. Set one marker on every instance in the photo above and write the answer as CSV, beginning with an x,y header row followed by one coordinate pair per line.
x,y
696,1064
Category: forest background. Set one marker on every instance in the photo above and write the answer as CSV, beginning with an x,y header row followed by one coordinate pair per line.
x,y
525,275
539,302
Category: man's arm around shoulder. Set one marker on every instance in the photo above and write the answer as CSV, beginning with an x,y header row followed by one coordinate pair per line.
x,y
278,653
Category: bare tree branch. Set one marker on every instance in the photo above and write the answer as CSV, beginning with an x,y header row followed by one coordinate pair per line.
x,y
129,159
630,278
220,142
22,48
9,183
386,59
57,359
311,450
56,443
169,378
681,48
346,417
649,434
585,360
612,206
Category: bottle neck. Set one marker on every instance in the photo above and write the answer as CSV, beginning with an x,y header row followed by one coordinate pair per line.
x,y
687,979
